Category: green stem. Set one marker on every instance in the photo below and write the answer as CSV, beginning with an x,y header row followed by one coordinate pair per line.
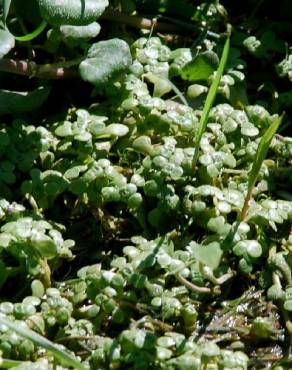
x,y
8,364
32,35
191,286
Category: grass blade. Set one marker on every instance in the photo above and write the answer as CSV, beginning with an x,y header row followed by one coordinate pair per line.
x,y
41,341
259,158
32,35
178,93
9,364
210,100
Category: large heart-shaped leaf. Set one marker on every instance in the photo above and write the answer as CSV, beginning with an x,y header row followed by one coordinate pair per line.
x,y
6,42
15,102
105,62
201,67
210,255
74,12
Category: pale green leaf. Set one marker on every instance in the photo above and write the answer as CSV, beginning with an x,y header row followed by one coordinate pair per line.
x,y
72,12
39,340
6,42
201,67
210,255
105,62
80,32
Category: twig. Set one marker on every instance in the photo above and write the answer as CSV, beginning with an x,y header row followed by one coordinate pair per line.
x,y
193,287
138,22
246,204
31,69
175,25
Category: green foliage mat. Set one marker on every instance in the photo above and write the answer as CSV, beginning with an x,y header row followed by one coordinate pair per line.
x,y
145,186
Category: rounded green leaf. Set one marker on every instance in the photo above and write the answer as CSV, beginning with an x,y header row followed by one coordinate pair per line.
x,y
64,130
80,32
110,194
253,248
245,266
196,90
37,288
275,293
73,12
105,62
210,350
6,42
201,67
143,144
288,305
116,129
45,245
210,255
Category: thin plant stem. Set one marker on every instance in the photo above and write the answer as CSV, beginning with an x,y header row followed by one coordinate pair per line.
x,y
32,35
191,286
6,363
246,204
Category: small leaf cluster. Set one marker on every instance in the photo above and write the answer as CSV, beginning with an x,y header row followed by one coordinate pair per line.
x,y
152,198
28,242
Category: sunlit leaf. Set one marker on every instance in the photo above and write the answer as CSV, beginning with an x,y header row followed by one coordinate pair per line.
x,y
73,12
201,67
39,340
6,42
105,62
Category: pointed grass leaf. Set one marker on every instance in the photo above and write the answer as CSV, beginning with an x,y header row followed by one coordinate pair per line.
x,y
39,340
210,100
258,161
201,67
32,35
